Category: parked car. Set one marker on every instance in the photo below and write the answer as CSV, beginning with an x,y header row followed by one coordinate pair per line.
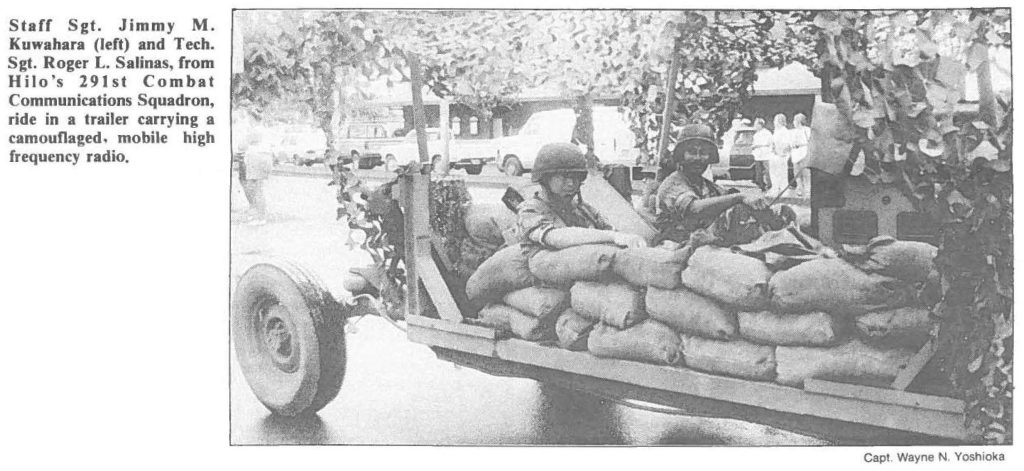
x,y
614,141
365,140
464,154
305,147
738,163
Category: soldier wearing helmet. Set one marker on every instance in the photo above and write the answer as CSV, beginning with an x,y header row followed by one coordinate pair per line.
x,y
556,217
688,202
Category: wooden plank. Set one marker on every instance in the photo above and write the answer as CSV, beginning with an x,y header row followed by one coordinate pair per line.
x,y
670,100
419,116
413,299
438,290
914,366
754,393
681,380
889,396
440,338
453,327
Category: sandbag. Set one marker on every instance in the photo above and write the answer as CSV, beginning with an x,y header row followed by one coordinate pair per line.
x,y
908,327
506,271
901,259
486,223
573,330
580,263
691,313
510,320
615,304
542,303
649,341
853,361
733,279
733,358
830,285
648,267
810,329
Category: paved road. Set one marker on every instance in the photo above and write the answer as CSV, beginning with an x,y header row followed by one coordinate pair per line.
x,y
397,392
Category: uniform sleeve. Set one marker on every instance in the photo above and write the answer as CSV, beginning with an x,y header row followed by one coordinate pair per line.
x,y
675,197
535,220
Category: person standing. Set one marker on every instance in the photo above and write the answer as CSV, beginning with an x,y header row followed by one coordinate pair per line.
x,y
258,163
801,137
762,150
778,164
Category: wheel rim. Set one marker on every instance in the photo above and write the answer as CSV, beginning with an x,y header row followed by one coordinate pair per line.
x,y
280,344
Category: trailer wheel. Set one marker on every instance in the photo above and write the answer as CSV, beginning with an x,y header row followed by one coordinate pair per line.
x,y
289,338
513,167
475,170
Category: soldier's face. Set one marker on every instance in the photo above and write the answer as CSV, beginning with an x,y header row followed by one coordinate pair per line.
x,y
566,184
696,158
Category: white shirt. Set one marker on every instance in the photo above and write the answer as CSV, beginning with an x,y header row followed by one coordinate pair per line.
x,y
762,145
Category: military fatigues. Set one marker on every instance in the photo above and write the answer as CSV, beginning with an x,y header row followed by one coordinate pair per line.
x,y
538,215
736,225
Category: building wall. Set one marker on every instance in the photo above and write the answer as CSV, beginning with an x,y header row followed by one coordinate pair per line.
x,y
761,106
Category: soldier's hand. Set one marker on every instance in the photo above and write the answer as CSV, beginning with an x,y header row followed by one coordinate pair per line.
x,y
629,241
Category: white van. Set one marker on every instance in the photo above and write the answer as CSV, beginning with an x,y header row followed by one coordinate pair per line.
x,y
614,142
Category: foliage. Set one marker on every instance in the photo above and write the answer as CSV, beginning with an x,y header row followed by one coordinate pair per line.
x,y
719,52
303,56
898,77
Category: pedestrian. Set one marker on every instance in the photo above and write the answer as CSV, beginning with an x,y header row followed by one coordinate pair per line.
x,y
689,204
556,217
801,137
778,163
761,147
258,162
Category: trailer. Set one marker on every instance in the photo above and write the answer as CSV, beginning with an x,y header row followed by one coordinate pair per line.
x,y
289,338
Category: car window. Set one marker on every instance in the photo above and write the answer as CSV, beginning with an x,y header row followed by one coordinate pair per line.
x,y
744,138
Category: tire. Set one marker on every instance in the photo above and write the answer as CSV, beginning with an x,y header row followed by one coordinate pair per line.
x,y
435,163
289,338
475,170
513,167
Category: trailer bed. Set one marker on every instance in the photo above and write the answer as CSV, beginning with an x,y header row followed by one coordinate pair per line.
x,y
820,402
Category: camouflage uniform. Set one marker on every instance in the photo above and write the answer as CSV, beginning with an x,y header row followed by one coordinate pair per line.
x,y
538,215
737,225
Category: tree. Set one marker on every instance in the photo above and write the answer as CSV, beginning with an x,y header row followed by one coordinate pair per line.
x,y
719,53
897,77
307,57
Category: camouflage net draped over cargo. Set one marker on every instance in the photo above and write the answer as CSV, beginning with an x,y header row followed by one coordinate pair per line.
x,y
897,77
379,217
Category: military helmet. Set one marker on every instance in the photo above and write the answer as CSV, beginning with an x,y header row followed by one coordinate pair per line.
x,y
695,133
558,157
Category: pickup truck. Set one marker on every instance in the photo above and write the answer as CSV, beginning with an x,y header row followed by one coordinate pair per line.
x,y
614,142
465,154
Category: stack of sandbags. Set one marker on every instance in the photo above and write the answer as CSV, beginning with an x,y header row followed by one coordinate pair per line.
x,y
846,319
580,263
505,271
714,287
530,313
718,310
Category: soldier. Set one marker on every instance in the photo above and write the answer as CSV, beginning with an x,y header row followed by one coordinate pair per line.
x,y
556,216
687,203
